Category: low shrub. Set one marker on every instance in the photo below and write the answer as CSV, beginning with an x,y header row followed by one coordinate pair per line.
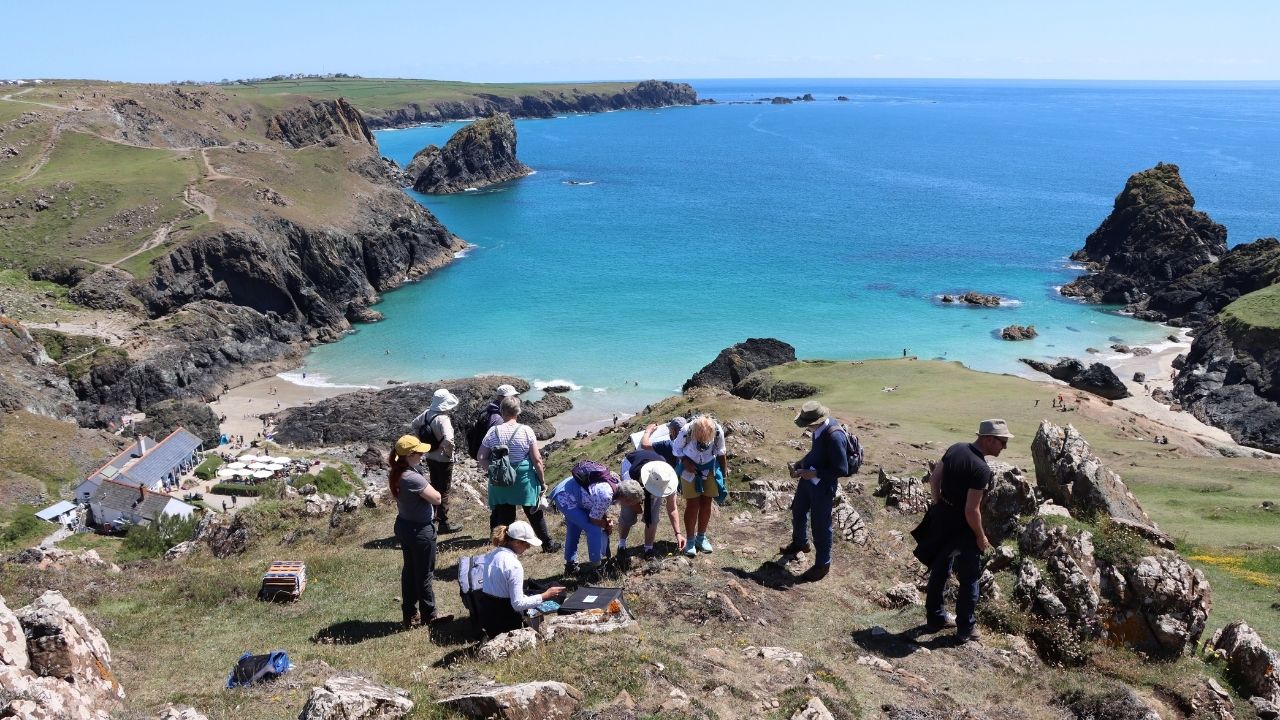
x,y
1058,644
23,527
330,480
264,489
1118,545
151,541
209,468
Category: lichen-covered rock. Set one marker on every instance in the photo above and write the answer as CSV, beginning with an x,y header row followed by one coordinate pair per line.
x,y
351,697
1070,474
181,550
1069,587
1161,607
546,700
1011,496
480,154
27,696
64,645
815,709
13,643
507,644
906,495
847,522
225,536
180,712
1254,667
1117,704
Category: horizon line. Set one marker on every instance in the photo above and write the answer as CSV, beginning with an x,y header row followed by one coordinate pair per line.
x,y
320,76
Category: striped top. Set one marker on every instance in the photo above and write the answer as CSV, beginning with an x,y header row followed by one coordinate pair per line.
x,y
518,438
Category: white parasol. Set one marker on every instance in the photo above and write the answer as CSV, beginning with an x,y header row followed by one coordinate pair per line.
x,y
227,472
282,460
263,474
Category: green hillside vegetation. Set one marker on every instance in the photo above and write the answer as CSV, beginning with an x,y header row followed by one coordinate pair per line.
x,y
387,93
1259,310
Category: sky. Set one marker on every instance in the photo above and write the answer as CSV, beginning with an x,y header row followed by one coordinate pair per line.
x,y
554,40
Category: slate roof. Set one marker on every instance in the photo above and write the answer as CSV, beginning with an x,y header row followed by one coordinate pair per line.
x,y
164,457
124,498
119,461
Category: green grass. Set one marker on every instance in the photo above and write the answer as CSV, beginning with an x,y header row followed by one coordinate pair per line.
x,y
93,182
63,346
1259,310
389,93
329,480
21,528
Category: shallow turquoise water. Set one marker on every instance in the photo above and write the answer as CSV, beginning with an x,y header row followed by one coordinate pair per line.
x,y
831,225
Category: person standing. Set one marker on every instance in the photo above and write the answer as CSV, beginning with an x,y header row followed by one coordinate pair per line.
x,y
817,477
415,530
703,465
958,483
526,491
489,416
665,448
435,427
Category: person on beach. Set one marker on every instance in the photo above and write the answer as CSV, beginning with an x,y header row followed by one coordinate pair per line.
x,y
415,530
526,492
435,427
665,448
955,537
502,602
489,415
703,468
583,499
660,483
817,477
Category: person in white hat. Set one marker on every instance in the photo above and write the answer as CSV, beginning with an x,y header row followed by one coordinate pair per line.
x,y
489,416
502,600
955,537
435,427
660,484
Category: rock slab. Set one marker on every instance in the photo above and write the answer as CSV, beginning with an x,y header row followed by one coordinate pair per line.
x,y
547,700
352,697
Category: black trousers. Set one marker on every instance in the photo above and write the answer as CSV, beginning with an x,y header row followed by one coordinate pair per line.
x,y
506,514
497,616
441,478
418,545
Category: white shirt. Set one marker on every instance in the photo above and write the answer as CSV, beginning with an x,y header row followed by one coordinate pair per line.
x,y
504,578
685,446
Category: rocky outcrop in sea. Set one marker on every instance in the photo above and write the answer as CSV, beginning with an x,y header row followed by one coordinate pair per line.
x,y
1196,298
480,154
543,104
734,364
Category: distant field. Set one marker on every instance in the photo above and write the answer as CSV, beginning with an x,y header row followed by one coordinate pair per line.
x,y
385,93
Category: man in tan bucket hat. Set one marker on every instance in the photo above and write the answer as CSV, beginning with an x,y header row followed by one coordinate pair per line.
x,y
955,535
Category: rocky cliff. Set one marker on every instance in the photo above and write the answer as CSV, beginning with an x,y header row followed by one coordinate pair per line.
x,y
1153,236
1194,299
734,364
29,379
482,153
321,121
544,104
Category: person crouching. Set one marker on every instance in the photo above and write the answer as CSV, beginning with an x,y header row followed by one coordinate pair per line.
x,y
502,600
660,485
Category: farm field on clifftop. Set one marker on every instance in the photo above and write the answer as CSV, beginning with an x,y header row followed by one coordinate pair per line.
x,y
386,93
1257,310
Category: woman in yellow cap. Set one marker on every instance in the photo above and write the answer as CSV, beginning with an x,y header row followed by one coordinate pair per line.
x,y
415,529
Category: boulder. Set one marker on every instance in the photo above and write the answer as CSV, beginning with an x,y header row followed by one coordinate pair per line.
x,y
847,522
62,644
351,697
1102,381
1068,473
507,644
1120,703
13,643
1160,604
1139,377
225,536
1011,495
480,154
906,495
815,709
26,696
902,595
584,623
1018,332
1065,369
181,550
735,363
180,712
546,700
1254,667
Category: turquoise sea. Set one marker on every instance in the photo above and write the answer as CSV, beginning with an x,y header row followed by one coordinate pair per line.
x,y
649,240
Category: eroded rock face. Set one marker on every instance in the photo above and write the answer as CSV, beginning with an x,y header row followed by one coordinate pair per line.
x,y
1069,588
31,697
1162,605
1070,474
29,379
735,363
1231,379
105,289
527,701
480,154
1254,667
1199,296
1011,496
1153,236
63,645
321,122
351,697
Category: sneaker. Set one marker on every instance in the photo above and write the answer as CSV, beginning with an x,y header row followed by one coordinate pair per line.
x,y
795,548
815,573
650,554
973,636
551,546
690,549
571,568
948,621
704,545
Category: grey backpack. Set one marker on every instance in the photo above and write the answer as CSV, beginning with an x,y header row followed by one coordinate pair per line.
x,y
501,472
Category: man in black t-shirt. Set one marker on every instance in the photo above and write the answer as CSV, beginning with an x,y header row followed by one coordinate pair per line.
x,y
958,483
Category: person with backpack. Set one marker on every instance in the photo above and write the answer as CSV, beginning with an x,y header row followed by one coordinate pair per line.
x,y
584,499
435,427
703,469
415,530
501,604
510,458
817,477
489,415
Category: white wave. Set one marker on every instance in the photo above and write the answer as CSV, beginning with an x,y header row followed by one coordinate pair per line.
x,y
464,252
578,182
313,380
562,117
471,190
1075,266
1009,302
542,384
533,172
599,390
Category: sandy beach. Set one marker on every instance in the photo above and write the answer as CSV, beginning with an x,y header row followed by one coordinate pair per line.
x,y
244,404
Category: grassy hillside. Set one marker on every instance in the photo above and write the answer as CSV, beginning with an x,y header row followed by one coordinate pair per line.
x,y
1259,310
386,93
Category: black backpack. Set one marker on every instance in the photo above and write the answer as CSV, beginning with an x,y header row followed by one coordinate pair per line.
x,y
427,434
478,429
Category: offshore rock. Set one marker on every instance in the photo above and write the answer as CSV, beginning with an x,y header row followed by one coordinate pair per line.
x,y
480,154
1097,378
1019,332
734,364
1231,379
321,122
1068,473
1254,667
1153,236
547,700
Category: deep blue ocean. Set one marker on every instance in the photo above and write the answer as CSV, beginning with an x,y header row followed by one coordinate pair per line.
x,y
649,240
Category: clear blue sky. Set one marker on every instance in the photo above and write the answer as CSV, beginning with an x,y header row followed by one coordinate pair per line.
x,y
145,40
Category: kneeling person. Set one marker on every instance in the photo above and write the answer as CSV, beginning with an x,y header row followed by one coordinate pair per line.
x,y
660,483
502,600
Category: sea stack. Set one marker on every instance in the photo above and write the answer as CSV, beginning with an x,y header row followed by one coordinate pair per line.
x,y
1153,236
483,153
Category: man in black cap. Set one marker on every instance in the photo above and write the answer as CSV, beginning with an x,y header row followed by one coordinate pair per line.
x,y
817,477
957,539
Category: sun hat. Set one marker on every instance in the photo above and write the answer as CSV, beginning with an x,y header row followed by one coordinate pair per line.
x,y
520,530
443,401
676,423
506,390
659,478
996,427
811,413
409,444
